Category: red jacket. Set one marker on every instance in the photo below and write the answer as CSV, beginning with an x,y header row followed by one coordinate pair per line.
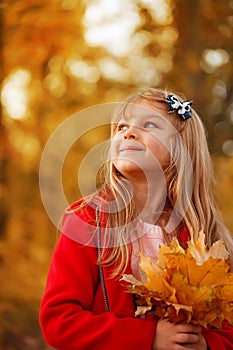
x,y
72,313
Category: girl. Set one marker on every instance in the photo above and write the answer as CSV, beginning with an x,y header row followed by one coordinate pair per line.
x,y
157,185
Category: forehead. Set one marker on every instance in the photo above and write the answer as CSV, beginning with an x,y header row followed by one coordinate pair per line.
x,y
143,108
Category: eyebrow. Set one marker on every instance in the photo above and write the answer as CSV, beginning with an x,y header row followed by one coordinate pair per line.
x,y
128,118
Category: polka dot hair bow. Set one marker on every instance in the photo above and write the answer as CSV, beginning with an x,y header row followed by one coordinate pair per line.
x,y
182,108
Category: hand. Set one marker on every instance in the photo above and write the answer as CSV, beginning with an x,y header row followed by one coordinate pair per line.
x,y
181,336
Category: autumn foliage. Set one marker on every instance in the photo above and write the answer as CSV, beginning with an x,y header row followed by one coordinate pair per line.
x,y
192,285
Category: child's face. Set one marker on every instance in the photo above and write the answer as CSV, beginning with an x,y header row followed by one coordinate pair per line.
x,y
140,144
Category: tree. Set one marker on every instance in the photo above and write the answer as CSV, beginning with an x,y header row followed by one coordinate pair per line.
x,y
50,59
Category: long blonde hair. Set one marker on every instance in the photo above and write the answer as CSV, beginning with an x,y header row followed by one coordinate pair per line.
x,y
198,209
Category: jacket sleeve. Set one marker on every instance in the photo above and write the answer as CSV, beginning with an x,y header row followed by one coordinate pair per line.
x,y
66,319
219,339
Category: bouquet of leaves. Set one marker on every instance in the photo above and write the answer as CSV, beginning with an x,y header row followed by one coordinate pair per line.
x,y
186,285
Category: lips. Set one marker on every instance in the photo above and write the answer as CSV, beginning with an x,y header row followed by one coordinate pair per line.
x,y
130,147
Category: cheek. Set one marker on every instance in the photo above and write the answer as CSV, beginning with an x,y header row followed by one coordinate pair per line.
x,y
160,149
114,148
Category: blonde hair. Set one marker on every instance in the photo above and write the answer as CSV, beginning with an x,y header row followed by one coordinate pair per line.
x,y
198,209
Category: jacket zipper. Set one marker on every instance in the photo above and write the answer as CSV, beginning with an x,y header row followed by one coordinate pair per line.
x,y
100,267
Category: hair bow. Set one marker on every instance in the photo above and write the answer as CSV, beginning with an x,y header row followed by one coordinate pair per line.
x,y
182,108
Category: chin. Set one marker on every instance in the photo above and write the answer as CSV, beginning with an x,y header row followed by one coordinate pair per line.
x,y
124,167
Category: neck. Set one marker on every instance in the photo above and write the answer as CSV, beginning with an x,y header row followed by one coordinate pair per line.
x,y
150,202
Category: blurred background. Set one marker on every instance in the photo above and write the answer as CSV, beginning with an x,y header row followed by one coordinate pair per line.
x,y
60,56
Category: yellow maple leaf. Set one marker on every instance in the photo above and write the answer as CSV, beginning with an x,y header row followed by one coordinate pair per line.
x,y
166,251
218,251
197,248
148,270
199,251
224,287
188,294
192,285
228,311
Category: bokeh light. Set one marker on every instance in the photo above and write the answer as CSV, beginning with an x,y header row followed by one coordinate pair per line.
x,y
15,94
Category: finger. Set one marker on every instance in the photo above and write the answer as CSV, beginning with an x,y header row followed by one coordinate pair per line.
x,y
188,328
187,338
185,347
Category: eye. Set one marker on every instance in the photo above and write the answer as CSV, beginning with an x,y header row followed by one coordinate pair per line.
x,y
150,125
121,127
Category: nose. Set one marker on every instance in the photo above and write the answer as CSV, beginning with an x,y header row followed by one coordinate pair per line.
x,y
131,133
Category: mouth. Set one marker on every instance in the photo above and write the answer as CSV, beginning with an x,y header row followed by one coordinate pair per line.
x,y
130,148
